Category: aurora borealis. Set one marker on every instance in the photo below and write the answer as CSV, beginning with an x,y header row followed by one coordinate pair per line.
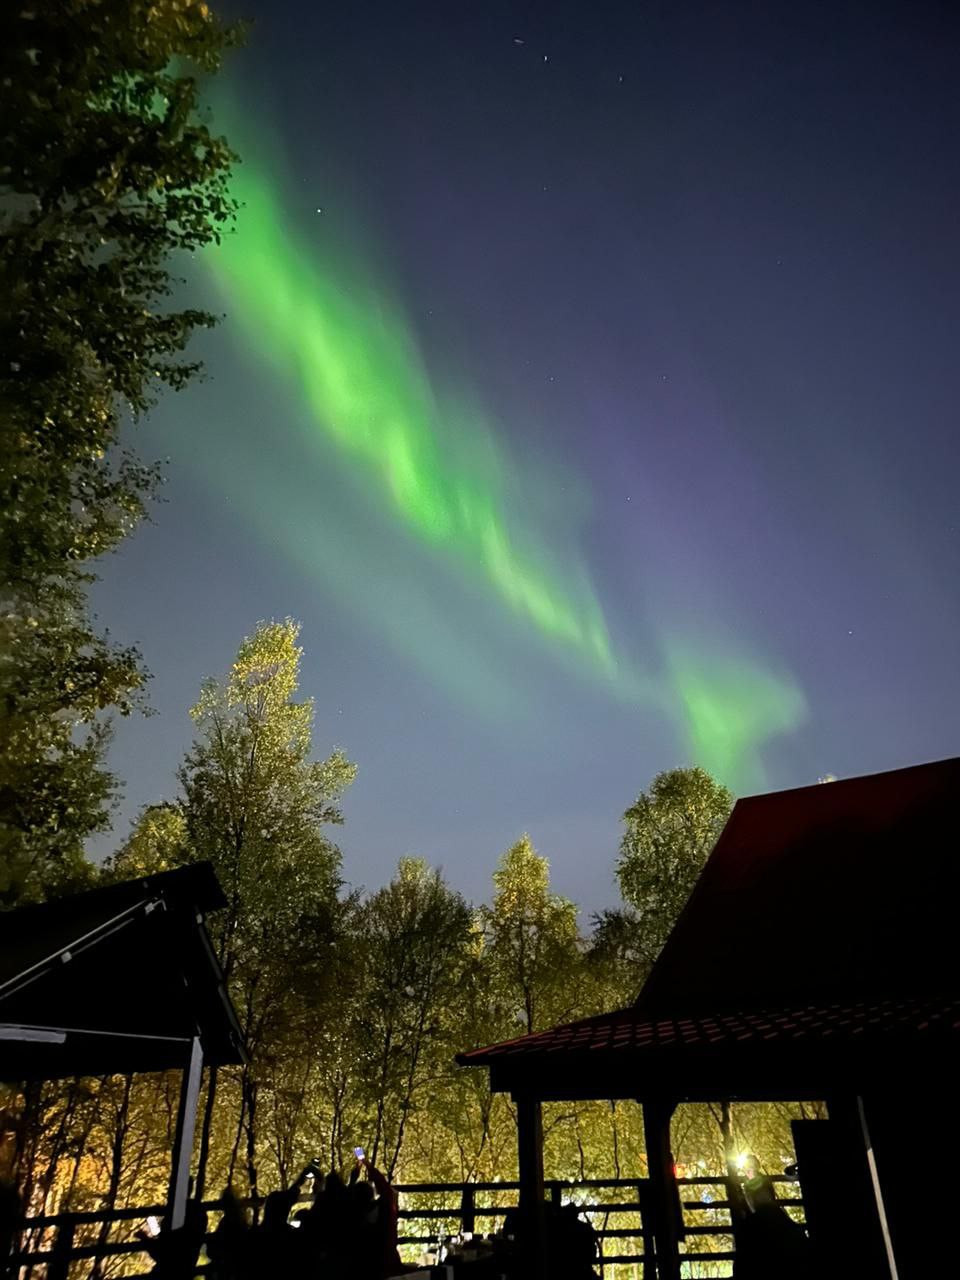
x,y
586,388
316,317
350,354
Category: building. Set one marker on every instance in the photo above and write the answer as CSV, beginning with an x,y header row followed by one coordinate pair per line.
x,y
816,959
118,980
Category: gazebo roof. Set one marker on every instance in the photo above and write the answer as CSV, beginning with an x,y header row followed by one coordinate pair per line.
x,y
820,932
627,1030
770,1053
116,980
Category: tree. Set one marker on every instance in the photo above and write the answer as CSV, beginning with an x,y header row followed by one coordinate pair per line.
x,y
670,831
257,806
415,936
157,842
615,958
474,1134
533,939
254,802
107,173
540,975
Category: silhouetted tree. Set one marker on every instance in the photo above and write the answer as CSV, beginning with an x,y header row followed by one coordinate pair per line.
x,y
105,171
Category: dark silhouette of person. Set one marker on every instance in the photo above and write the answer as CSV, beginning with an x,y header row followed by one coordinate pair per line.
x,y
571,1242
175,1253
229,1247
374,1222
312,1243
572,1245
329,1227
768,1242
9,1221
271,1243
278,1248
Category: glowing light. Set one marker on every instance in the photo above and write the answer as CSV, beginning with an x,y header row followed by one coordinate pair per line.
x,y
729,706
311,310
358,370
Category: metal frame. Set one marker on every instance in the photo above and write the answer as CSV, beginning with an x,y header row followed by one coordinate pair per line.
x,y
183,1138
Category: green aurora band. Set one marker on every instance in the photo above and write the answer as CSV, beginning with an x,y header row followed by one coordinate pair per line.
x,y
314,315
361,377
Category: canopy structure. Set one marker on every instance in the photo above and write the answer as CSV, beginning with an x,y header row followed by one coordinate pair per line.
x,y
815,959
119,980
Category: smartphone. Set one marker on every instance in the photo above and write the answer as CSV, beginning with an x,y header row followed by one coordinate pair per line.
x,y
359,1153
152,1227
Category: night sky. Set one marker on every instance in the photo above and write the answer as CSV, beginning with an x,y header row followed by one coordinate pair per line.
x,y
588,389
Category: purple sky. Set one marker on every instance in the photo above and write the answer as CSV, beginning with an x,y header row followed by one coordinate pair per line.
x,y
705,257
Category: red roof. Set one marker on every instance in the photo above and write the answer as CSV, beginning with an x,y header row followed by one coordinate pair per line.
x,y
627,1030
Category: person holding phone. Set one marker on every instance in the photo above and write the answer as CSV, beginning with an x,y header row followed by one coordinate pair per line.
x,y
376,1218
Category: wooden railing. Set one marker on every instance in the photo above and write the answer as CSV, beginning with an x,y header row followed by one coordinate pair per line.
x,y
442,1210
474,1206
487,1203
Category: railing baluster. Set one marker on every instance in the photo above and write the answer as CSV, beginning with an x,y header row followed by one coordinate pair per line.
x,y
467,1209
58,1267
646,1233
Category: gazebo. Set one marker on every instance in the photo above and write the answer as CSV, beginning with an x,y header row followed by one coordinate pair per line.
x,y
118,980
816,959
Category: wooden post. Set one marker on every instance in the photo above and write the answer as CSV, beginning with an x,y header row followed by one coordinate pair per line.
x,y
665,1201
530,1152
647,1233
468,1213
58,1268
183,1138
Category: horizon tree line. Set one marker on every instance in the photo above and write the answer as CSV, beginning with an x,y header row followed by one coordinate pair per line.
x,y
355,1004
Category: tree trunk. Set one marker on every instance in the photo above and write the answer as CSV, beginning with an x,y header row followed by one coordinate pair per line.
x,y
382,1094
733,1188
116,1169
204,1154
48,1177
235,1150
251,1124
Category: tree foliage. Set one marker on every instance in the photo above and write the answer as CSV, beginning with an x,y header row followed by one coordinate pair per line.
x,y
670,830
532,937
355,1003
414,933
257,807
255,803
617,958
157,842
107,173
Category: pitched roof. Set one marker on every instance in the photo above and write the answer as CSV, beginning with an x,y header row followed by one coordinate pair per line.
x,y
125,974
824,916
627,1030
835,892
